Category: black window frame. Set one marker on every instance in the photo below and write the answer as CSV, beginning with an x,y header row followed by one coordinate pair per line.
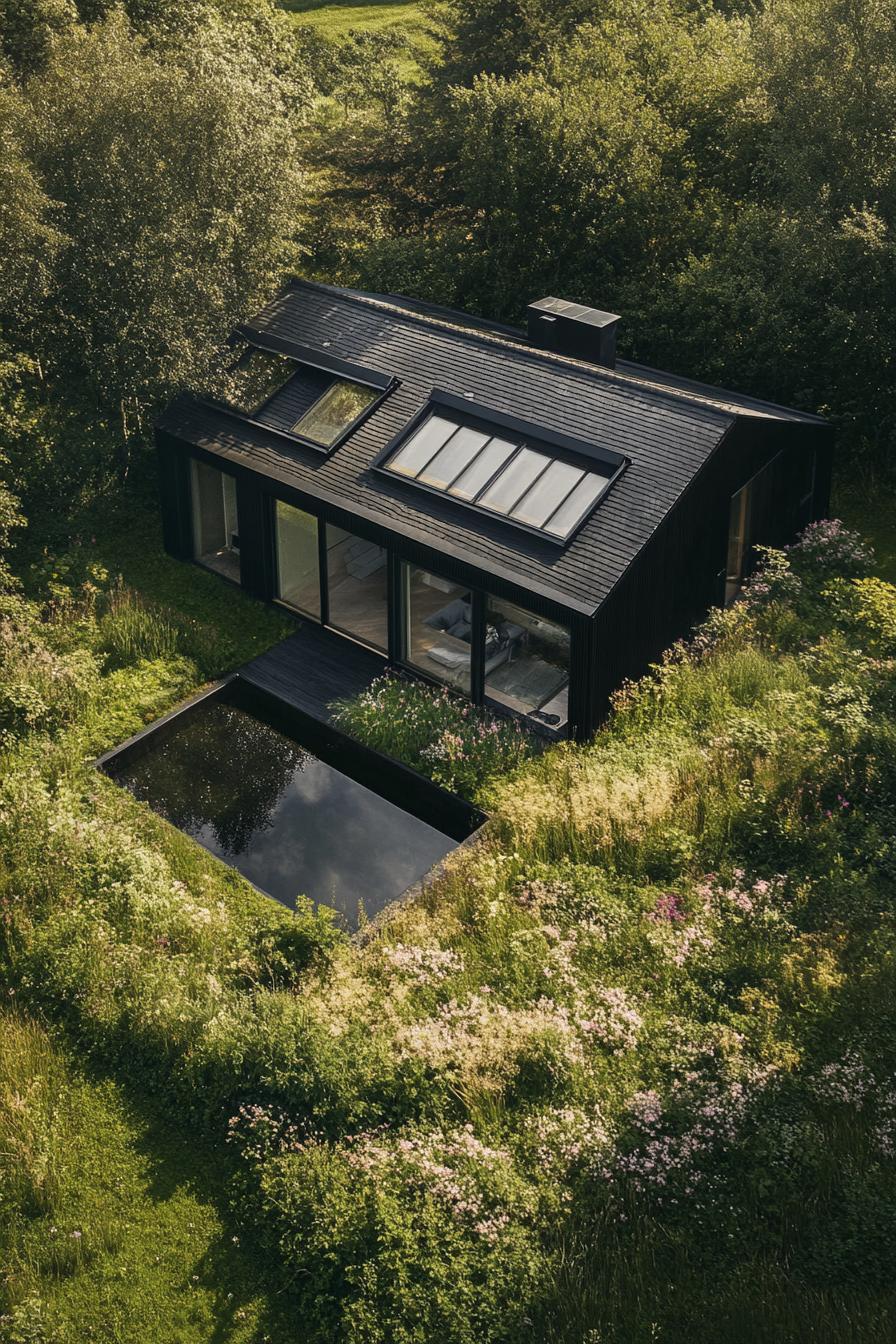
x,y
195,460
477,631
303,357
397,617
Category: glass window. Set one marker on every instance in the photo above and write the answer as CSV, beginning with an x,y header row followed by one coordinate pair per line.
x,y
526,662
334,412
357,584
547,494
482,469
507,478
738,532
438,626
422,446
451,460
582,499
298,565
254,379
216,542
503,493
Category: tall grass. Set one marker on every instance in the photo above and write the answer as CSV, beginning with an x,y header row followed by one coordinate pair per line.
x,y
32,1118
131,629
628,1057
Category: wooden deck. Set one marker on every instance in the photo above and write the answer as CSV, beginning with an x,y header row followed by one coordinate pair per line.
x,y
312,668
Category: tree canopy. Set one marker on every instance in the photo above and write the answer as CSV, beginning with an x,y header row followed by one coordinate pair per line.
x,y
155,193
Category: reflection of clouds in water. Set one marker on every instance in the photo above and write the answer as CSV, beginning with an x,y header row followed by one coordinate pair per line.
x,y
337,842
289,822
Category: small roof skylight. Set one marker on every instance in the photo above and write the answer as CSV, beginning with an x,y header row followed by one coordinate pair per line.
x,y
300,394
254,377
501,474
333,412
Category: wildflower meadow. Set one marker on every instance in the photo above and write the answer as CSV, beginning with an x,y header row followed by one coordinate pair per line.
x,y
624,1072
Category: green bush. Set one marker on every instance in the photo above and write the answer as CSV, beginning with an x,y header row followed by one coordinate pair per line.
x,y
456,744
42,689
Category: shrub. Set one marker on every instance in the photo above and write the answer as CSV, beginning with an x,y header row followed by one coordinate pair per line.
x,y
456,744
424,1238
641,1036
41,689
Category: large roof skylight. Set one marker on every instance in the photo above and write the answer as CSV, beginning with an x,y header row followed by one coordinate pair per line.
x,y
529,486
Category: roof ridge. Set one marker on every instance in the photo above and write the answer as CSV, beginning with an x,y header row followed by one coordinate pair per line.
x,y
530,352
697,383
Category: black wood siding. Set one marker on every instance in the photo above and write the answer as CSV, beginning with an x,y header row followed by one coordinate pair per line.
x,y
175,496
670,586
255,504
679,574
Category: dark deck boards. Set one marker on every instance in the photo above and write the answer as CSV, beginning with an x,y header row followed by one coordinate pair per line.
x,y
312,668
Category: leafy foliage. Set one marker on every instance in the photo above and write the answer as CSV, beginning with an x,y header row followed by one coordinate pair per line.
x,y
719,174
153,195
645,1029
448,739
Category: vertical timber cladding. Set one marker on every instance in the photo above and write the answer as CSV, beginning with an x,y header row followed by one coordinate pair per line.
x,y
173,458
253,514
677,577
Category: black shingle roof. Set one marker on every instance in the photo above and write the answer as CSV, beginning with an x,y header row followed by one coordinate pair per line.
x,y
666,430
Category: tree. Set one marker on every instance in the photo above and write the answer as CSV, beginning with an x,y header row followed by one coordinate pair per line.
x,y
608,160
826,101
27,28
499,37
175,168
29,238
795,308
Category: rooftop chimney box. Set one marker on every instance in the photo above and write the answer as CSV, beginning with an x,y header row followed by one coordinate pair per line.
x,y
572,329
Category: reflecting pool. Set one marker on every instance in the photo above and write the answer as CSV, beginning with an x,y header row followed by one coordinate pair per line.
x,y
293,821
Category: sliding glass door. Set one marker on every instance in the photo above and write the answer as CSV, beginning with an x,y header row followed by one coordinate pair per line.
x,y
216,542
484,647
298,559
357,587
437,627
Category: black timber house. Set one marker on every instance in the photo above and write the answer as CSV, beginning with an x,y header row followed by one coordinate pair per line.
x,y
520,516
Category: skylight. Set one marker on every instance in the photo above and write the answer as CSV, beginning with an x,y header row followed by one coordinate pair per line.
x,y
502,475
335,411
254,378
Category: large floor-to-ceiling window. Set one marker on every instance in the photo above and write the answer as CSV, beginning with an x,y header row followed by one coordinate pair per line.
x,y
216,542
480,645
357,587
526,662
437,625
298,559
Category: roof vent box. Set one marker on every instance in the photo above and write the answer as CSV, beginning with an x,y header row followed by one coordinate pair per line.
x,y
573,329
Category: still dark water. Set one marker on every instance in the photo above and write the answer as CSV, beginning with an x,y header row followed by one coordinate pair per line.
x,y
290,822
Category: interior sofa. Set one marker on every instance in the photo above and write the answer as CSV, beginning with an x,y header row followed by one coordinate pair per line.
x,y
455,620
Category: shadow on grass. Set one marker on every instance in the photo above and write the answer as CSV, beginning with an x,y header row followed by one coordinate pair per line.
x,y
239,1268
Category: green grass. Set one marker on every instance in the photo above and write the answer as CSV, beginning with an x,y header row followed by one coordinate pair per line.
x,y
336,20
872,514
498,1028
123,536
158,1257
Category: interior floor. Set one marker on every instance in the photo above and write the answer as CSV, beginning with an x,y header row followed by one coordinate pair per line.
x,y
225,561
